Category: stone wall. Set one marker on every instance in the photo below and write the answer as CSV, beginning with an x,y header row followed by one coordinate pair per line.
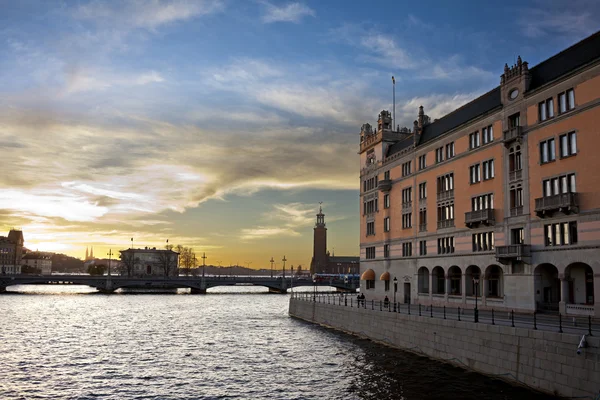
x,y
544,361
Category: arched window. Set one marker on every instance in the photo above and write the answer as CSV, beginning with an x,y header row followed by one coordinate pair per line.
x,y
494,275
439,281
455,277
423,280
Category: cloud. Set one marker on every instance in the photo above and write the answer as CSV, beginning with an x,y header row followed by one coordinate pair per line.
x,y
567,21
83,79
264,232
149,14
292,12
388,52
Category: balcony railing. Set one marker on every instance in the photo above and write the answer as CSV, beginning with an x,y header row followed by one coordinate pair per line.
x,y
448,223
481,216
385,185
515,175
516,211
517,252
422,227
407,206
513,134
564,202
448,194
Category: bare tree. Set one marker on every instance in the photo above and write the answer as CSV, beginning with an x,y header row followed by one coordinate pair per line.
x,y
187,260
128,262
167,260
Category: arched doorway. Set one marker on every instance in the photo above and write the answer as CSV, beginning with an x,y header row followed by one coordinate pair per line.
x,y
494,278
455,277
423,280
473,272
438,280
580,278
547,287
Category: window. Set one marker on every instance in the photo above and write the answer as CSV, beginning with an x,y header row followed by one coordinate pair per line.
x,y
406,168
407,249
547,151
483,241
423,220
546,109
559,185
475,173
450,150
370,253
386,224
387,286
568,144
439,155
516,197
445,183
514,120
386,201
488,169
517,236
422,191
474,140
483,202
566,101
370,228
446,215
561,234
488,134
422,162
371,284
406,197
386,175
446,245
406,220
369,207
514,159
422,247
386,250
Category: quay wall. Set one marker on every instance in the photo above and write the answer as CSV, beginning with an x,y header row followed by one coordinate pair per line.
x,y
545,361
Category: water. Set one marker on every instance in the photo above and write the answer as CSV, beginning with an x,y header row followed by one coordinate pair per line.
x,y
71,343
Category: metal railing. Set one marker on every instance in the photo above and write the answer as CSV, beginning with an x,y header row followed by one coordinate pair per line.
x,y
486,216
537,321
422,227
513,251
446,195
513,133
551,203
448,223
516,211
515,175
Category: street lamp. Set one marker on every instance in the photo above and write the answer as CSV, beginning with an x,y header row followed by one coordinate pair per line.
x,y
395,290
109,257
315,287
476,313
284,260
272,261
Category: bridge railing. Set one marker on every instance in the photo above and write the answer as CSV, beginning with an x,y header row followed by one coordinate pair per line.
x,y
536,321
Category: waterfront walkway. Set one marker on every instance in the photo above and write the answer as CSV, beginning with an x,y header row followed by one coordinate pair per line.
x,y
537,321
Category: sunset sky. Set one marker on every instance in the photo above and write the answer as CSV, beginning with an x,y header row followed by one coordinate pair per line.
x,y
222,124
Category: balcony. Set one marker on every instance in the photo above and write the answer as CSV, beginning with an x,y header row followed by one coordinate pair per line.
x,y
564,202
447,195
385,185
422,227
516,211
486,217
448,223
513,134
515,175
513,252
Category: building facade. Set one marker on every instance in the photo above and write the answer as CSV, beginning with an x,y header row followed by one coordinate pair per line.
x,y
322,261
40,261
497,202
11,252
149,262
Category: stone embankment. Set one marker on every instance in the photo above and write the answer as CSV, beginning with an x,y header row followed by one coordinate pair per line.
x,y
545,361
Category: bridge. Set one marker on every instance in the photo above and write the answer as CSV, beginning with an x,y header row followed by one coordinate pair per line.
x,y
196,284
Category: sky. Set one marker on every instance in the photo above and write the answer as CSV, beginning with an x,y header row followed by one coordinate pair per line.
x,y
221,124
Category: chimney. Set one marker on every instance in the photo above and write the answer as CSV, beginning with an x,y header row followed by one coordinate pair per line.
x,y
421,117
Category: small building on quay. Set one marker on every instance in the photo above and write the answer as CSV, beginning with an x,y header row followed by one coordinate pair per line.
x,y
149,262
11,252
497,202
323,262
37,261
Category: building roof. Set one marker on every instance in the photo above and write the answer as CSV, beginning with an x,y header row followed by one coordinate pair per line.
x,y
401,145
344,259
568,60
578,55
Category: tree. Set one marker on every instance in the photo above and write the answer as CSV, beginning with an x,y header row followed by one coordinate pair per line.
x,y
28,269
167,259
96,269
187,260
128,262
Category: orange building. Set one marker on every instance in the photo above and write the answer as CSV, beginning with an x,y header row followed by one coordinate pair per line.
x,y
497,200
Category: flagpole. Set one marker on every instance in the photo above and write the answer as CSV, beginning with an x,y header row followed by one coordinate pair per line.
x,y
394,96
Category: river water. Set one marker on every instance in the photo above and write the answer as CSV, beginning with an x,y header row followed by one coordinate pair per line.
x,y
234,343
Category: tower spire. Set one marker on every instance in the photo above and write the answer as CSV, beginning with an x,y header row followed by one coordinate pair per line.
x,y
86,253
92,252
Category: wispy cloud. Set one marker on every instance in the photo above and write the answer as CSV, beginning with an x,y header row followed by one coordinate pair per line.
x,y
387,50
266,232
292,12
557,20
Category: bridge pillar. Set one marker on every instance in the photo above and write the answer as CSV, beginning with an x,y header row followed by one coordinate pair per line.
x,y
197,290
2,289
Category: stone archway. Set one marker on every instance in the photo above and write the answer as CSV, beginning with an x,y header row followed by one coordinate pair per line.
x,y
423,280
472,272
455,279
547,287
494,278
438,281
580,284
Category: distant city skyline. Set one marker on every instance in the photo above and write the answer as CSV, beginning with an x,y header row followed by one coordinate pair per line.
x,y
221,125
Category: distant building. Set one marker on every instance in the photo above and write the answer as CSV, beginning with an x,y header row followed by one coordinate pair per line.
x,y
38,260
11,251
89,255
114,264
149,261
324,263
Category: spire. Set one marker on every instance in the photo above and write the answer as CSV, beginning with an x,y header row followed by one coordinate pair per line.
x,y
320,217
86,253
92,252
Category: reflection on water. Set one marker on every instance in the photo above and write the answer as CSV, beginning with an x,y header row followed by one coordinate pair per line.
x,y
67,342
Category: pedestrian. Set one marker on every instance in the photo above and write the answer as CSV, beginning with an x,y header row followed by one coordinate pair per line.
x,y
386,302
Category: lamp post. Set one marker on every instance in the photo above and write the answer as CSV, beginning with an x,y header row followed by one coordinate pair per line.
x,y
315,287
284,260
272,261
476,312
395,290
109,257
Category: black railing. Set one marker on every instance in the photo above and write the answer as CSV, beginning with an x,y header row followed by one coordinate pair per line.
x,y
566,202
480,216
513,134
506,317
513,251
447,223
446,195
